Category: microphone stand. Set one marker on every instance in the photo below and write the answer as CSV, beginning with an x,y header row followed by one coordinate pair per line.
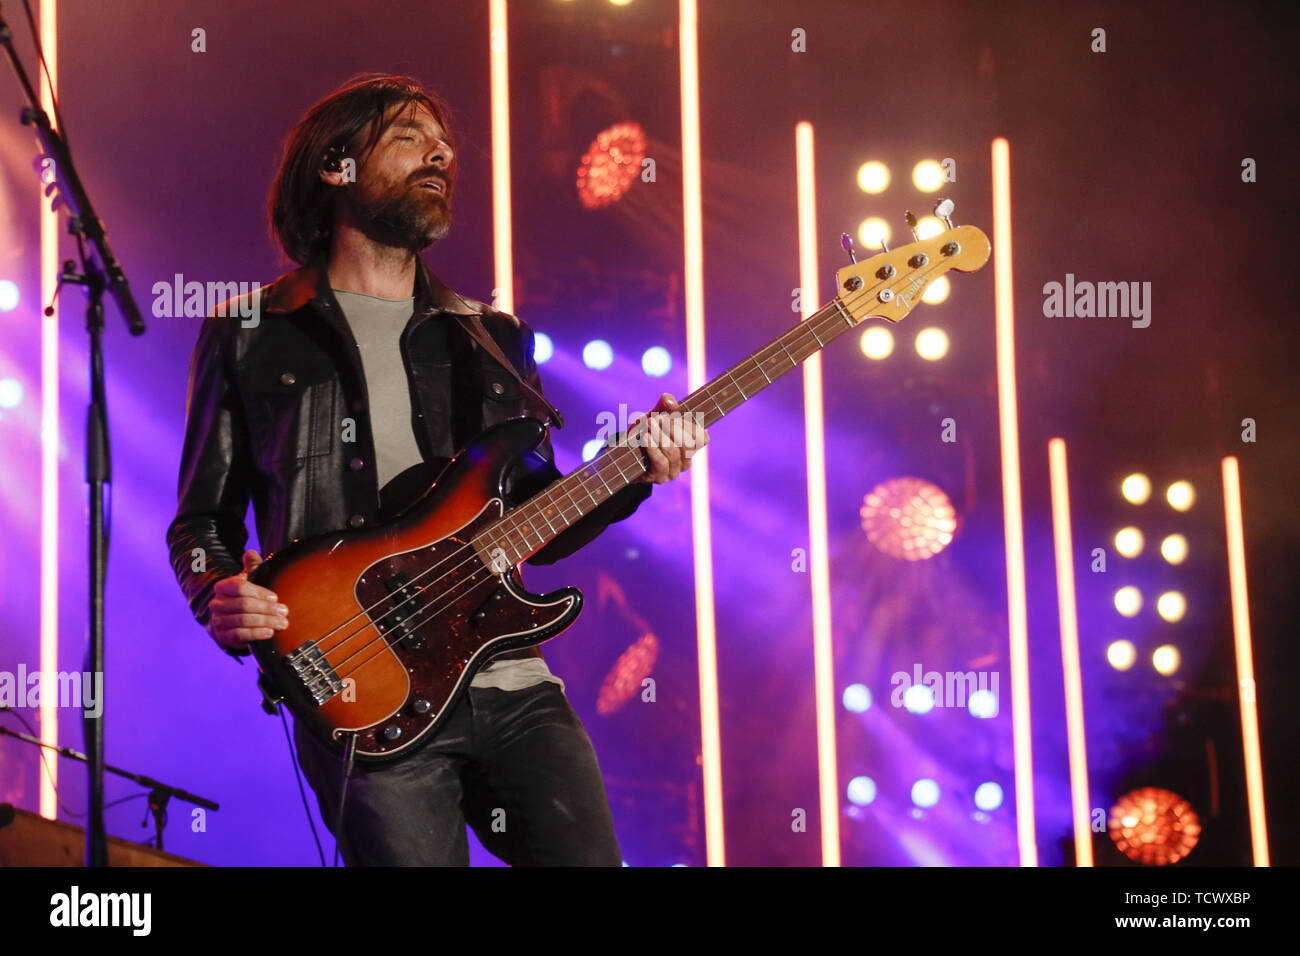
x,y
159,793
100,272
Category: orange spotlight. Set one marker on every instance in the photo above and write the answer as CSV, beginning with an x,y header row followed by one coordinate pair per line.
x,y
1180,495
872,232
937,291
1121,655
1136,488
877,342
927,176
932,344
873,177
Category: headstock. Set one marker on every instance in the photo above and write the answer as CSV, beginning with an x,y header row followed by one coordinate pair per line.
x,y
889,285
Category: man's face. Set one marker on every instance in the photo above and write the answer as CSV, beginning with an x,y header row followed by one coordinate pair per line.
x,y
402,196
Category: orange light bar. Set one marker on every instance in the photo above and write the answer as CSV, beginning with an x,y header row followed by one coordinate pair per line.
x,y
818,534
701,527
1245,660
502,228
1065,600
1009,431
49,714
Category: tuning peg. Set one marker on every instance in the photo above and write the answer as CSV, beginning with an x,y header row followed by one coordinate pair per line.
x,y
847,244
911,224
943,209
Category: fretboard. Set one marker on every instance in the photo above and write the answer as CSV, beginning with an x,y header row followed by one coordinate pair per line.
x,y
531,526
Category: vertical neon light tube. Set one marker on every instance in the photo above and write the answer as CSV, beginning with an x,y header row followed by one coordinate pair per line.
x,y
1245,660
502,227
818,549
49,437
1071,671
701,529
1009,430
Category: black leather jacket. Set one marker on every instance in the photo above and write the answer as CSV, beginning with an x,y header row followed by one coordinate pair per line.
x,y
268,412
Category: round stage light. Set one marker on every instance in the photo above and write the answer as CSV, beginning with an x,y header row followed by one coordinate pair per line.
x,y
932,344
873,177
656,361
857,698
1121,654
871,232
982,703
611,164
1171,606
8,295
592,448
862,791
927,176
1180,495
1166,659
597,354
1154,826
918,699
1128,600
11,392
877,342
937,291
988,796
1136,488
1128,542
927,227
925,793
543,348
1174,548
908,518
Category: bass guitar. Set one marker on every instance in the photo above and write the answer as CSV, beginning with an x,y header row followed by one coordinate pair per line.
x,y
391,623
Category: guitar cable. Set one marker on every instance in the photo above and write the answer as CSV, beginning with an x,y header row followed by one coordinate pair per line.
x,y
297,771
349,751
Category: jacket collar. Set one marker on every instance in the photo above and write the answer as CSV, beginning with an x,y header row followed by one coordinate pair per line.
x,y
310,284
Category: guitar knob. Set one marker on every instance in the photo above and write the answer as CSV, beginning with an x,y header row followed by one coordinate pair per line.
x,y
392,732
421,706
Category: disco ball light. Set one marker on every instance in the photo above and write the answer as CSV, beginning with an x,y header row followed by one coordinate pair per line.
x,y
908,518
1154,826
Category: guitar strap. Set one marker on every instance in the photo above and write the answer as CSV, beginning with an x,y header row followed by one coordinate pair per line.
x,y
473,324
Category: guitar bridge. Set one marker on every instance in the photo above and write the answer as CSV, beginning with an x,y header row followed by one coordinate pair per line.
x,y
316,673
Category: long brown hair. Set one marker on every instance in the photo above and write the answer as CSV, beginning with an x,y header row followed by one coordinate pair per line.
x,y
346,123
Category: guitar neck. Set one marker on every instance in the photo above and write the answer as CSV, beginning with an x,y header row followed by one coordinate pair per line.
x,y
529,527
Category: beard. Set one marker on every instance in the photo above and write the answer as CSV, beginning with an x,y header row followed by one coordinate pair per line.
x,y
407,217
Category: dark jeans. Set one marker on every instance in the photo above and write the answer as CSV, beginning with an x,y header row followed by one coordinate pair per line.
x,y
517,765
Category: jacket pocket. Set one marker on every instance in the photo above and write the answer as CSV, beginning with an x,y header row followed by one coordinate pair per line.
x,y
291,406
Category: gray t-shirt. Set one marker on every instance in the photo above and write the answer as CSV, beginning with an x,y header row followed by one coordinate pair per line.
x,y
377,326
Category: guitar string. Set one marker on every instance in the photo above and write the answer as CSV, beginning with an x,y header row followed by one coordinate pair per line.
x,y
754,373
745,377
